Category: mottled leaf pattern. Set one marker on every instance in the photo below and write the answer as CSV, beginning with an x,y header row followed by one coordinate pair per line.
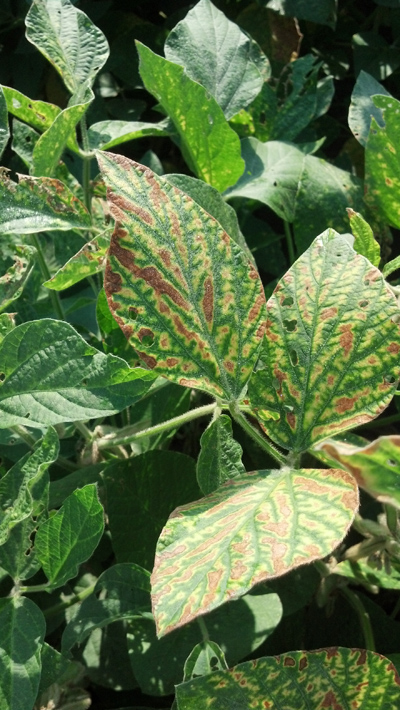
x,y
13,281
38,114
330,359
88,261
375,466
329,679
253,528
220,456
182,291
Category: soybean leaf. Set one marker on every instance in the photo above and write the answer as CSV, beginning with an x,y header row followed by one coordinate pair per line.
x,y
38,114
54,665
205,658
4,129
219,547
141,493
220,455
184,294
88,261
121,592
216,53
391,266
361,572
209,145
18,557
239,628
24,139
382,173
13,281
330,358
70,537
330,677
51,375
22,633
323,12
24,488
37,204
375,466
7,323
365,242
107,134
68,39
61,488
362,107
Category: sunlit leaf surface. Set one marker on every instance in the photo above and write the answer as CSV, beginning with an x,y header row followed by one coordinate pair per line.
x,y
88,261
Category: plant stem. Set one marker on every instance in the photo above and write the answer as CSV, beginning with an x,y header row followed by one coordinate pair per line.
x,y
239,417
86,165
109,441
203,629
35,588
46,276
363,616
53,610
24,435
289,241
86,433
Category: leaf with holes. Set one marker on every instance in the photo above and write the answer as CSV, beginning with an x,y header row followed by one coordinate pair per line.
x,y
253,528
220,456
375,466
183,292
329,678
88,261
13,281
330,358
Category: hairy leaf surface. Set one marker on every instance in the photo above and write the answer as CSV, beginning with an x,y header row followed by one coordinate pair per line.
x,y
253,528
220,456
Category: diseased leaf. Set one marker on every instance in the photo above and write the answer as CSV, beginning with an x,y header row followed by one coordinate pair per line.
x,y
22,633
121,592
88,261
328,678
38,114
70,537
362,107
365,242
24,139
68,39
184,294
217,54
330,358
205,658
253,528
37,204
375,466
4,129
17,554
220,456
107,134
209,145
51,375
13,281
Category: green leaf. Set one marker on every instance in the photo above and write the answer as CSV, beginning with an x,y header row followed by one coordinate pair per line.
x,y
323,12
13,281
52,375
182,291
239,628
373,54
382,174
24,488
391,266
141,493
70,537
17,554
24,139
209,145
362,572
253,528
54,665
7,324
4,129
205,658
121,592
38,114
88,261
22,633
362,107
331,678
217,54
375,466
330,359
50,146
68,39
365,242
107,134
220,455
37,204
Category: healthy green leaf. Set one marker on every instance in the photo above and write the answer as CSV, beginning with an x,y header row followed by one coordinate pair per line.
x,y
209,145
217,54
220,455
37,204
141,493
24,488
121,592
391,266
70,537
107,134
362,107
330,359
7,323
182,291
362,572
4,129
22,633
13,281
323,12
253,528
365,242
68,39
88,261
52,375
375,466
38,114
239,628
382,175
329,678
54,665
